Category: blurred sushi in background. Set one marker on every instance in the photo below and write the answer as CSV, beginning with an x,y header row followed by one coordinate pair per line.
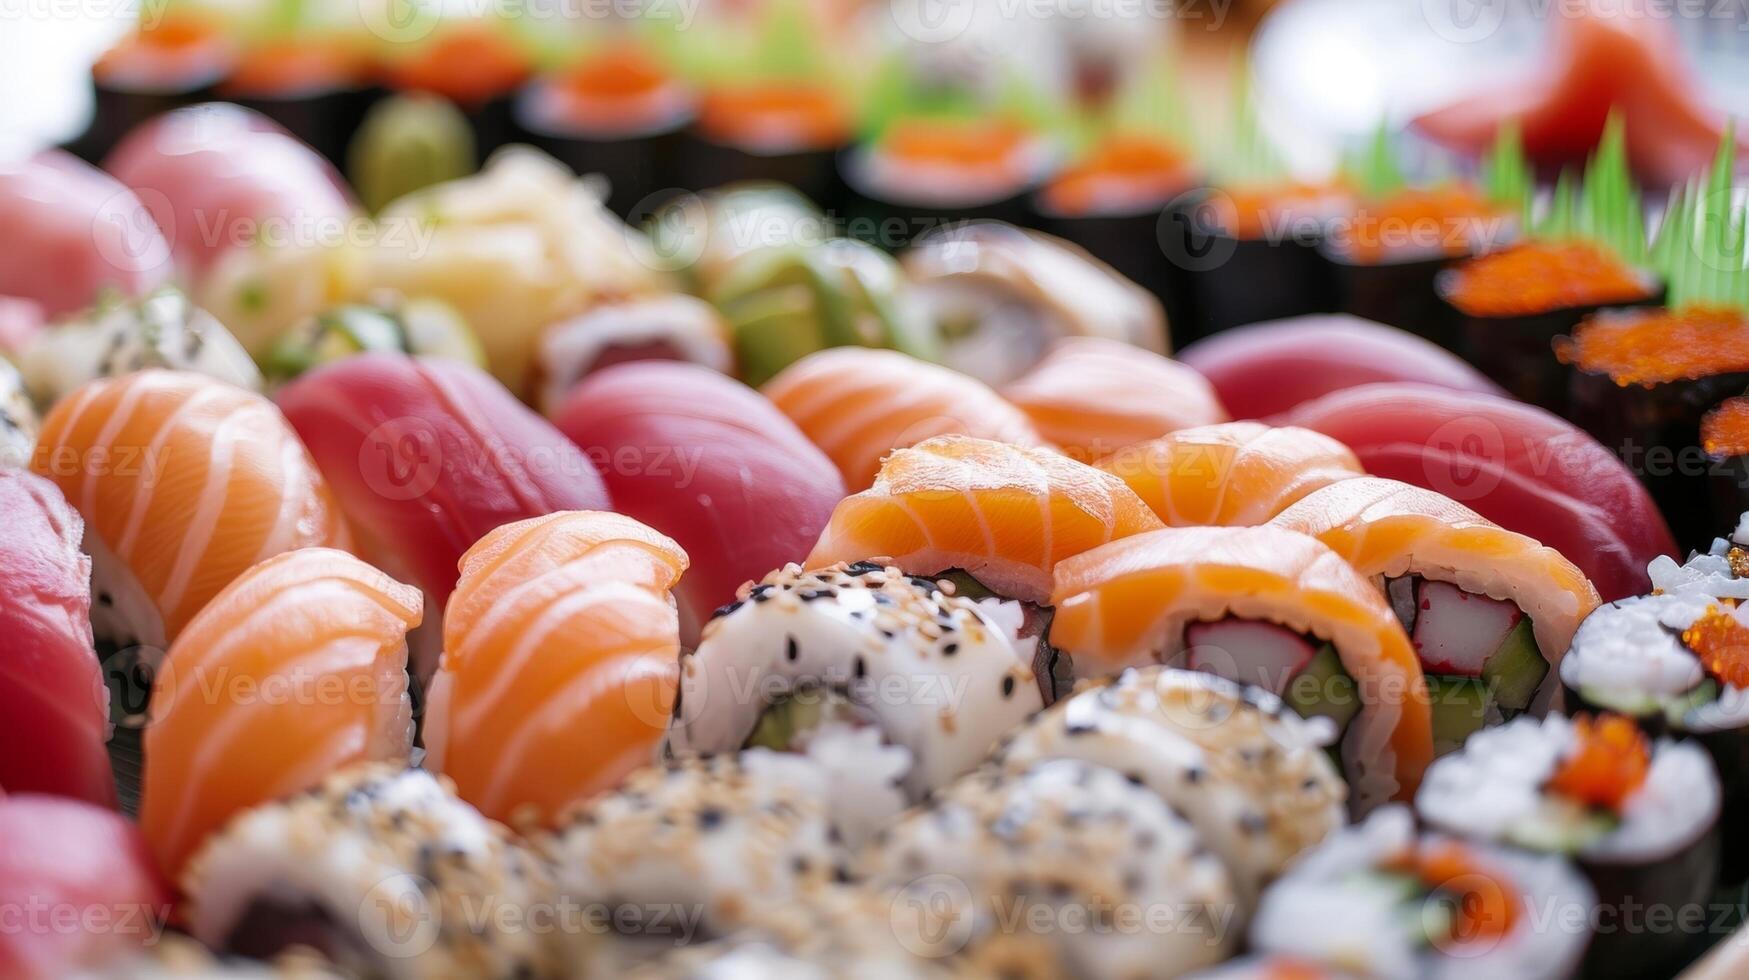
x,y
476,63
19,421
674,327
418,326
700,235
306,67
408,142
172,59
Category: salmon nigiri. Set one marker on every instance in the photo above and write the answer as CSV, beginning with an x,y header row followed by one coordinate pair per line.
x,y
559,668
1234,473
184,482
1092,397
296,669
54,701
1490,611
1264,606
858,404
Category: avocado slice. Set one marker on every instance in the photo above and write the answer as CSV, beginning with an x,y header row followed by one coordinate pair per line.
x,y
1322,689
1460,709
1516,669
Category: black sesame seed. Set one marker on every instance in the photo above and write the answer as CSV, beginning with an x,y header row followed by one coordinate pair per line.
x,y
1008,686
710,817
949,649
861,668
791,651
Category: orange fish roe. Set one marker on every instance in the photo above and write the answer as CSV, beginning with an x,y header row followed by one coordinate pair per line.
x,y
1722,645
1724,431
291,67
1656,346
470,65
1540,277
1121,173
1267,211
175,46
1449,220
989,146
775,114
1483,908
1606,766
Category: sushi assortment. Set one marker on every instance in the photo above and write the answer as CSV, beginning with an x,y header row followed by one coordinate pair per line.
x,y
541,501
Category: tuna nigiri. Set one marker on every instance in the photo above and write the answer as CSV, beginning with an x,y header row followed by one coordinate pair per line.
x,y
78,887
559,663
296,669
1518,466
1235,473
706,460
1267,368
1490,611
426,456
56,703
217,177
858,404
184,482
72,232
1263,606
1092,397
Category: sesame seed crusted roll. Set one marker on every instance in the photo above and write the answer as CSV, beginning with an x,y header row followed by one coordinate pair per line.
x,y
18,419
1098,869
691,850
856,665
1250,774
381,869
175,957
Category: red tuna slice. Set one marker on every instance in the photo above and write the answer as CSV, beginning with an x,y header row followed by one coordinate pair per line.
x,y
72,232
85,878
219,176
1521,467
54,709
709,462
1267,368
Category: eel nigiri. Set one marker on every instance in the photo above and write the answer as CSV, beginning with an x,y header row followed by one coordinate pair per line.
x,y
1263,606
1268,368
1521,467
184,482
217,177
56,717
72,231
859,404
296,669
427,455
708,461
1233,473
1092,397
1490,611
1004,515
558,675
78,886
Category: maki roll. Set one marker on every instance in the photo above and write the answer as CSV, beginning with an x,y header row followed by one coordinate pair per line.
x,y
476,63
561,626
1263,606
161,330
1380,900
1724,437
992,518
1057,843
1250,775
660,328
1264,370
712,841
171,60
707,460
426,456
1271,231
889,681
615,111
310,80
1001,296
390,323
784,302
1092,396
406,143
295,670
1232,473
858,405
1639,817
379,868
55,701
1490,611
1521,467
66,862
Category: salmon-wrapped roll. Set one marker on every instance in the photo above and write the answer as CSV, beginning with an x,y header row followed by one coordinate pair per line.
x,y
1263,606
559,665
1092,397
296,669
1490,611
859,404
1231,474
